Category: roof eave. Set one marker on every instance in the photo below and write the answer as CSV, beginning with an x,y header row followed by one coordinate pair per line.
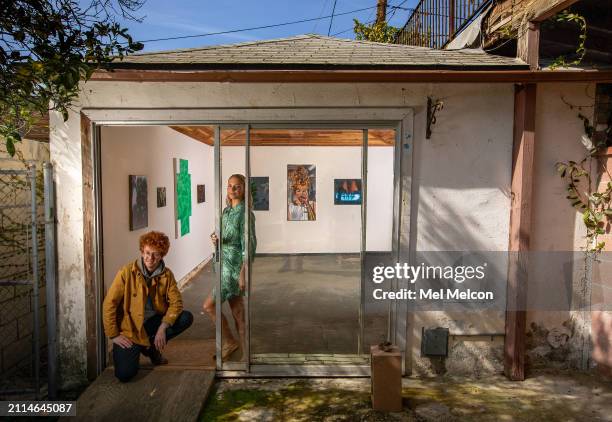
x,y
513,75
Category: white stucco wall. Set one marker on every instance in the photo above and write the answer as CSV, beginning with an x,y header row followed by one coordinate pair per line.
x,y
557,228
462,203
149,151
66,155
461,175
558,133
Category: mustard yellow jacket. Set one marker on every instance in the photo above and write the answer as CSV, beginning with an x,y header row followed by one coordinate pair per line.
x,y
123,308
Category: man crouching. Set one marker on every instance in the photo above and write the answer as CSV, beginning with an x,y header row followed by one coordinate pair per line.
x,y
143,308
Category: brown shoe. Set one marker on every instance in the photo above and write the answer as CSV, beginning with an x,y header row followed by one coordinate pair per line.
x,y
155,356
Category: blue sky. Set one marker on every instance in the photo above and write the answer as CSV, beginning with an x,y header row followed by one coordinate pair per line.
x,y
164,19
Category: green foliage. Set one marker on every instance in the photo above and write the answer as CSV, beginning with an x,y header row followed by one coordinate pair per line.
x,y
594,206
567,16
377,32
47,47
297,401
507,31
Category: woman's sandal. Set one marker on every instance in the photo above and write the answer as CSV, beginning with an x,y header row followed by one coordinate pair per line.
x,y
227,350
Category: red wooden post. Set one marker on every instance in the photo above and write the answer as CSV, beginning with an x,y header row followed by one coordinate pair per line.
x,y
520,230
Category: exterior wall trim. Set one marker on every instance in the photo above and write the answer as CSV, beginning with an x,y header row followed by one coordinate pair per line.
x,y
322,76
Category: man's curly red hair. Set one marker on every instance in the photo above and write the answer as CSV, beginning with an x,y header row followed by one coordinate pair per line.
x,y
156,240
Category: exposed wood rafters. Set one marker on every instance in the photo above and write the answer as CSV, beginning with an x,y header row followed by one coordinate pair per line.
x,y
290,137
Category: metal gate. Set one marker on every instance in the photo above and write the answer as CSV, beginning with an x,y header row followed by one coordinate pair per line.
x,y
27,282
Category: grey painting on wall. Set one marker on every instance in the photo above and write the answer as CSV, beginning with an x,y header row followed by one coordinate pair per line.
x,y
161,197
260,188
139,212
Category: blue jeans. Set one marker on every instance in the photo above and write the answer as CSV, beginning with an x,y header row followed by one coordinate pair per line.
x,y
126,360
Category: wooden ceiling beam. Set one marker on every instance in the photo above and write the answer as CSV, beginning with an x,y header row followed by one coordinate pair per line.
x,y
290,137
552,9
199,133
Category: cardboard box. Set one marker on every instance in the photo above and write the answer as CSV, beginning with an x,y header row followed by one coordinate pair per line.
x,y
386,378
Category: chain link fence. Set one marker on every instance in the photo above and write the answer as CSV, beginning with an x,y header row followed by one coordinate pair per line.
x,y
23,335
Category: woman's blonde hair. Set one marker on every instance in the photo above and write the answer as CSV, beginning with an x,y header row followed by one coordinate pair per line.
x,y
242,179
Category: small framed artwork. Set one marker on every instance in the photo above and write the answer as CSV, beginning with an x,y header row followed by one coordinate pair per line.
x,y
260,189
161,197
139,212
201,192
347,192
301,192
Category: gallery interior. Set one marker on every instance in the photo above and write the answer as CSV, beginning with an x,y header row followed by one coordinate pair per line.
x,y
321,198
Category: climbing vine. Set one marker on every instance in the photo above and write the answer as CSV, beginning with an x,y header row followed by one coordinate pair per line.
x,y
567,16
595,206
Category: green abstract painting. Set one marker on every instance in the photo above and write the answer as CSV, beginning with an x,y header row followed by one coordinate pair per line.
x,y
183,196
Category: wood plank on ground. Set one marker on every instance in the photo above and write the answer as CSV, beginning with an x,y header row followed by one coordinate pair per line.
x,y
168,395
186,353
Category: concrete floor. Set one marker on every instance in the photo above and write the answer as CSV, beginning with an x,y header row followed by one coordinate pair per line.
x,y
194,295
300,304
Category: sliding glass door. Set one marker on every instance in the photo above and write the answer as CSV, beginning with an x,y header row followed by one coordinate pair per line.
x,y
317,212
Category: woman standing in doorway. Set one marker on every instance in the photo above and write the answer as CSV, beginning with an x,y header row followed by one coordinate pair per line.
x,y
233,248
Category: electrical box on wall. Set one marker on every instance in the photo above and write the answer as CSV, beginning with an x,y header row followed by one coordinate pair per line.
x,y
434,342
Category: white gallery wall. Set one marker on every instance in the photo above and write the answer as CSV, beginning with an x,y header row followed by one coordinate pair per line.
x,y
337,228
149,151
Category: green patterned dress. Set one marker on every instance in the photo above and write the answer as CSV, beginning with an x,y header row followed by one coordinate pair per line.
x,y
233,249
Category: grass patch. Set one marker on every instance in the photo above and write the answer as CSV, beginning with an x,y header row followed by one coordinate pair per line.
x,y
295,402
227,406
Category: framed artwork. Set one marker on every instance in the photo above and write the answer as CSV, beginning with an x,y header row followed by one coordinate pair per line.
x,y
161,197
301,192
182,197
201,192
139,212
347,192
260,190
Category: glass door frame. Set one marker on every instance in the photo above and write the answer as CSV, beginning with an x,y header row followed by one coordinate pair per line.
x,y
394,311
356,117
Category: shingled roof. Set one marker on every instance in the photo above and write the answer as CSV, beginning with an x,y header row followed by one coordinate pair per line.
x,y
317,52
